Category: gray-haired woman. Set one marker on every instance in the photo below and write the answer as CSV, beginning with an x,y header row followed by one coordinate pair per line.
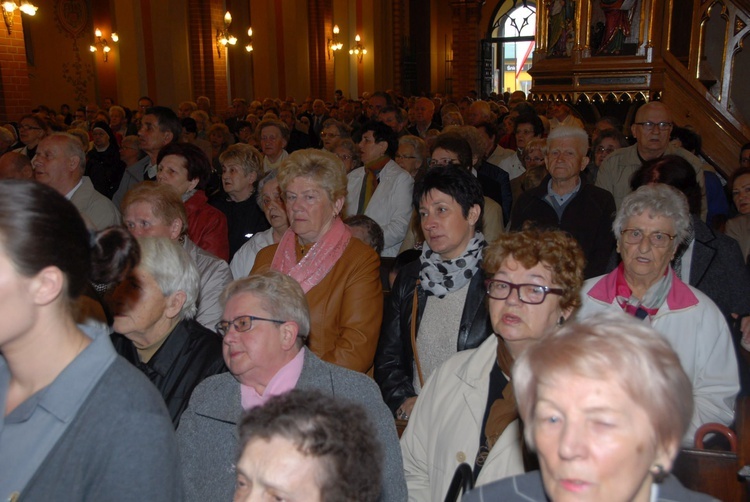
x,y
650,224
154,328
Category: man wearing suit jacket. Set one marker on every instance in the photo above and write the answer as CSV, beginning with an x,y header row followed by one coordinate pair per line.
x,y
265,325
319,116
381,189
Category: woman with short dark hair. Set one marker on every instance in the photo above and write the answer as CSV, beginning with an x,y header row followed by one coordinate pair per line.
x,y
436,306
186,168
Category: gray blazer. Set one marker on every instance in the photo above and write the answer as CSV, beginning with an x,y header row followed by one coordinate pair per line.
x,y
719,271
208,434
95,207
528,488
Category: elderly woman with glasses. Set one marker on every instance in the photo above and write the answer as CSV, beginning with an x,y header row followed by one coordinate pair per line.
x,y
154,328
412,154
650,225
467,411
31,130
348,152
333,133
265,328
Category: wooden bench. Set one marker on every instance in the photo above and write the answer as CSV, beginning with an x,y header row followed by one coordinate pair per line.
x,y
721,474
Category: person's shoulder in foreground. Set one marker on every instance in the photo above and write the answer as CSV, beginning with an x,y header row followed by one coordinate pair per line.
x,y
122,447
529,488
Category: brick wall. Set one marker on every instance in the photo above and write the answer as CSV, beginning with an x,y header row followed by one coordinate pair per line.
x,y
15,95
466,36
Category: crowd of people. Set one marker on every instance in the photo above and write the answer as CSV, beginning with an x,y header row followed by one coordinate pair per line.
x,y
282,283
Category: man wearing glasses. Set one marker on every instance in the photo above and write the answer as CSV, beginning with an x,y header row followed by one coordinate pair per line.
x,y
651,129
563,200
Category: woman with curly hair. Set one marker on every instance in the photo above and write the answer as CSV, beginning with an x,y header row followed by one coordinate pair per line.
x,y
468,405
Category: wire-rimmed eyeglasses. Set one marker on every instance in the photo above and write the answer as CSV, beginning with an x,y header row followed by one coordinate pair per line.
x,y
242,323
636,235
649,126
533,294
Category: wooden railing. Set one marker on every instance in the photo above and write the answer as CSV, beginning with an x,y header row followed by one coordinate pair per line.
x,y
704,84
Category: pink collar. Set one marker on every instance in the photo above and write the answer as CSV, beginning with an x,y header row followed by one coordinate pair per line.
x,y
283,381
679,297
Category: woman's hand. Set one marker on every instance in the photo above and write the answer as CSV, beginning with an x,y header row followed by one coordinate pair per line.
x,y
404,411
745,330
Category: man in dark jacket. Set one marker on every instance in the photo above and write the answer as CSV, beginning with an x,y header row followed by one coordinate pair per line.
x,y
563,201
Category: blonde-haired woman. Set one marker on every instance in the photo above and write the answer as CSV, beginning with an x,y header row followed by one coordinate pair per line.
x,y
340,275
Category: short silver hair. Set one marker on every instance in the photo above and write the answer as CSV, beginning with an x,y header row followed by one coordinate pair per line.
x,y
657,199
575,133
420,147
615,346
73,148
268,177
172,269
279,294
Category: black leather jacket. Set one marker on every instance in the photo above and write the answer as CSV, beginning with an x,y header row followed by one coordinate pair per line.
x,y
394,359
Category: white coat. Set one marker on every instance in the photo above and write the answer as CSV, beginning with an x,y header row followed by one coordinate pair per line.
x,y
698,332
390,205
444,427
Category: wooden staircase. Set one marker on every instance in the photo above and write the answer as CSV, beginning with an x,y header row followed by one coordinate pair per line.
x,y
687,53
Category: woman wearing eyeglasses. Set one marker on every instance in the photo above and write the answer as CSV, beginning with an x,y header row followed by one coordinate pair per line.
x,y
31,131
348,152
650,225
467,411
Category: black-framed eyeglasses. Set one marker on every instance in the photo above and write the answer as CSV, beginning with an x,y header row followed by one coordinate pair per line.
x,y
636,235
533,294
399,156
443,162
241,324
649,126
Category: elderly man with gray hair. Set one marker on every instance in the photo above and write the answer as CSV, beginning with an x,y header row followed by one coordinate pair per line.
x,y
265,325
562,200
59,163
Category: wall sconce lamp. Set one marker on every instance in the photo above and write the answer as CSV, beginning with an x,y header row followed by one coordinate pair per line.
x,y
333,43
9,8
249,46
358,49
102,42
223,37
